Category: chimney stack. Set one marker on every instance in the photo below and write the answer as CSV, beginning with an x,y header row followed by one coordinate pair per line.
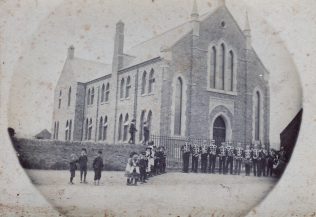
x,y
118,47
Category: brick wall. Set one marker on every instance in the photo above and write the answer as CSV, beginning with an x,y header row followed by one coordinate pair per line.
x,y
51,154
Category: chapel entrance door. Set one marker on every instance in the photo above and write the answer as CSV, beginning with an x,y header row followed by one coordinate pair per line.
x,y
219,131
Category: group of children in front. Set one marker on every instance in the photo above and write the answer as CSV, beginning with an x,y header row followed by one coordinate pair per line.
x,y
230,159
83,166
146,164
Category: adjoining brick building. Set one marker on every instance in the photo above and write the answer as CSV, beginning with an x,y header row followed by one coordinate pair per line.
x,y
201,78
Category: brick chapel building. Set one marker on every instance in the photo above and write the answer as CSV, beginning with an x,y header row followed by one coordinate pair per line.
x,y
201,78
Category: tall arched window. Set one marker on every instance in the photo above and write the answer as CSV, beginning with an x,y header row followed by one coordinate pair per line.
x,y
120,127
219,130
213,68
178,107
128,86
59,99
88,97
151,85
90,129
92,95
57,130
105,127
103,93
67,130
100,128
122,88
141,125
69,96
149,121
221,75
144,81
86,129
257,115
126,124
231,70
70,129
107,92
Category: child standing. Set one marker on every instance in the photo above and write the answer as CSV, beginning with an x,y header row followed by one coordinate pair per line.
x,y
83,161
132,169
98,166
142,167
72,167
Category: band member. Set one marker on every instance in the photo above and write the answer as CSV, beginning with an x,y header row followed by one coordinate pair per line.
x,y
229,158
256,160
263,162
270,163
239,153
204,153
212,156
196,151
222,158
186,150
132,131
247,159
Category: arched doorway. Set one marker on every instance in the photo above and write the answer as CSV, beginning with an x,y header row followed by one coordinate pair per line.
x,y
219,130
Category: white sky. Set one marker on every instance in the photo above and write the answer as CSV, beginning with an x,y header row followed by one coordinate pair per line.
x,y
41,32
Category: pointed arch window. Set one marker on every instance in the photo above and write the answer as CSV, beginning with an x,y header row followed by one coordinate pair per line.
x,y
105,128
107,92
59,99
70,130
178,107
149,121
221,75
88,96
90,129
128,87
69,96
92,95
120,127
67,131
126,124
141,125
122,88
144,81
213,68
151,85
257,112
231,70
100,128
103,93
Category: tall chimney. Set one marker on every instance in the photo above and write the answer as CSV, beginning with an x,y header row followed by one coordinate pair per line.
x,y
118,47
71,52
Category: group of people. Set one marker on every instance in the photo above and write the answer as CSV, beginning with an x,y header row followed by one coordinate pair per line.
x,y
150,162
230,159
133,130
83,166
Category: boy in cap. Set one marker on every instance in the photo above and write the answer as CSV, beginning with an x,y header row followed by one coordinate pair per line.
x,y
98,166
142,167
72,167
83,161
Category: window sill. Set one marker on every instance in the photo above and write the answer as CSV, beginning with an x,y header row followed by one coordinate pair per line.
x,y
232,93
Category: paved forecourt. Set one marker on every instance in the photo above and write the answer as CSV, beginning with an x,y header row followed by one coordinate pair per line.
x,y
170,194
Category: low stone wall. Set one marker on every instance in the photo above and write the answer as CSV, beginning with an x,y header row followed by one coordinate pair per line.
x,y
51,154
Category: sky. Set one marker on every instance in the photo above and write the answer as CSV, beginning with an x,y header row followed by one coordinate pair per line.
x,y
90,26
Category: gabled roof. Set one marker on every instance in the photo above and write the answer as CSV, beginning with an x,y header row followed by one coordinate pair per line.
x,y
44,134
87,70
153,47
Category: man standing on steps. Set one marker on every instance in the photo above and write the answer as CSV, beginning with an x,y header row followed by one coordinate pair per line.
x,y
186,150
132,131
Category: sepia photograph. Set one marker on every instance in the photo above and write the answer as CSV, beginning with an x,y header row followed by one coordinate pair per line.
x,y
154,108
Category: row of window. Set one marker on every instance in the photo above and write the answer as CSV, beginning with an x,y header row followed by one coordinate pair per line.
x,y
60,98
68,130
221,69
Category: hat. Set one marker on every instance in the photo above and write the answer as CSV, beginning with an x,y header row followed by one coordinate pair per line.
x,y
99,152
